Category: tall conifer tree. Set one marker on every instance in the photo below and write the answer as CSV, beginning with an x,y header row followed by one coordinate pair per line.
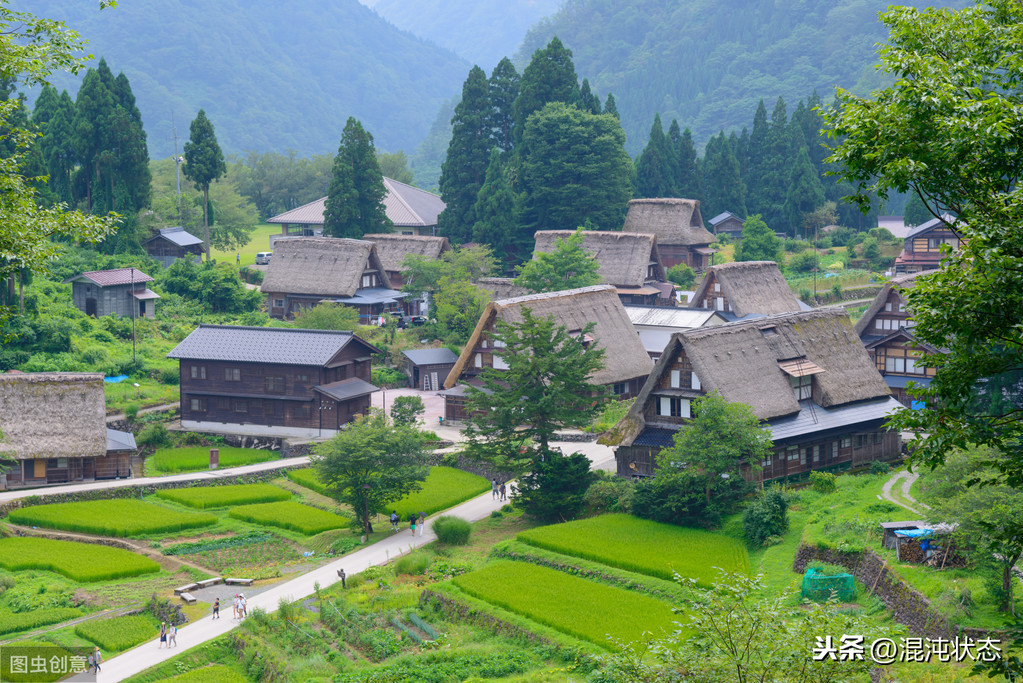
x,y
495,211
504,88
549,77
465,166
610,107
805,192
204,163
689,183
779,153
755,155
355,199
588,101
723,189
655,176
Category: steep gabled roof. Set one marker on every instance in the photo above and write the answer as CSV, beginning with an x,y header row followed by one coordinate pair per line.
x,y
625,356
177,236
270,345
53,415
623,258
501,287
898,282
946,221
674,221
722,216
117,276
320,266
405,205
751,287
393,248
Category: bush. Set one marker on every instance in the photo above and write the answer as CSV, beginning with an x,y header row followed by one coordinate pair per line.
x,y
122,518
555,488
880,467
766,516
795,246
452,530
613,494
388,377
131,412
802,262
406,410
171,376
155,435
78,561
823,482
118,633
682,275
412,565
824,243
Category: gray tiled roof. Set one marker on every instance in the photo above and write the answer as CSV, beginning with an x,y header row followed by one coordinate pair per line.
x,y
405,205
177,235
273,345
820,419
353,387
120,441
439,356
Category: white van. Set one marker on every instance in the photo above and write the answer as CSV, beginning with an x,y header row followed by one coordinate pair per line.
x,y
263,258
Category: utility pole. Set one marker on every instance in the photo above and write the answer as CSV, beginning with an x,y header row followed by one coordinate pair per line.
x,y
177,164
134,303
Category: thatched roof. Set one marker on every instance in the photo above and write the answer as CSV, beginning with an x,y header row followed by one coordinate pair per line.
x,y
574,309
320,266
393,248
623,258
53,415
501,287
674,221
750,287
898,282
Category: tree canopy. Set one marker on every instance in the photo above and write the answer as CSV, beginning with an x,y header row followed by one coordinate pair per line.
x,y
569,266
204,163
355,198
759,243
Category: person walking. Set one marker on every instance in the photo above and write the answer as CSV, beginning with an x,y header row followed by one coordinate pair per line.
x,y
90,662
238,259
504,491
163,635
341,575
394,520
97,659
243,604
234,606
422,523
172,636
412,522
216,608
493,489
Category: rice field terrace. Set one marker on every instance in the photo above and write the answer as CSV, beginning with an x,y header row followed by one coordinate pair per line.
x,y
118,633
197,458
577,607
13,622
204,497
290,515
123,518
83,562
643,546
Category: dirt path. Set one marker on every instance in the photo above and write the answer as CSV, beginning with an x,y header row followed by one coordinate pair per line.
x,y
908,479
143,411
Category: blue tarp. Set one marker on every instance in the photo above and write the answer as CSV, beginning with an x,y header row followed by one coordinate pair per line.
x,y
914,533
115,380
917,405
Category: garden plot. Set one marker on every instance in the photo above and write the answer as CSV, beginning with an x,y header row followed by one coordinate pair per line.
x,y
83,562
643,546
197,458
225,496
290,515
580,608
123,518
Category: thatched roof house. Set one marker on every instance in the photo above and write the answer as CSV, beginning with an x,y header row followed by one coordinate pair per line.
x,y
393,248
656,324
745,288
626,363
501,287
678,225
307,270
804,374
54,423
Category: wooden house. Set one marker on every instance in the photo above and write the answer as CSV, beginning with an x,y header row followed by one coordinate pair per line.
x,y
121,291
886,330
678,225
308,270
805,375
656,324
727,223
745,288
411,210
54,426
427,369
272,381
170,244
393,248
922,250
626,363
629,261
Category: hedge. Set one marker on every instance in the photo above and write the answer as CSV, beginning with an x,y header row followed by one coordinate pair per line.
x,y
118,633
580,608
644,546
12,622
121,518
290,515
225,496
78,561
196,458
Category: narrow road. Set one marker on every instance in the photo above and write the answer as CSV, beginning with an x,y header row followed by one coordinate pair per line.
x,y
908,479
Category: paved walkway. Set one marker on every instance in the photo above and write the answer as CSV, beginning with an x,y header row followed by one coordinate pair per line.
x,y
149,654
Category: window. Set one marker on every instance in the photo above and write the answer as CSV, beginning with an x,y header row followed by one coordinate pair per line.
x,y
232,374
302,378
198,372
274,385
62,463
802,386
888,307
804,454
369,280
766,462
717,286
816,457
695,382
858,441
673,407
241,406
197,405
302,410
676,379
499,363
479,360
719,304
279,303
223,404
793,453
834,450
895,364
768,331
620,388
846,442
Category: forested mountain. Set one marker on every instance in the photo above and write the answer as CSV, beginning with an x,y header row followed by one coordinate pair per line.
x,y
480,31
271,76
708,62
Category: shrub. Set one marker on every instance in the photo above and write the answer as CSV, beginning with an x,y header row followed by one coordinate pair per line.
x,y
290,515
766,516
452,530
124,517
802,262
131,412
78,561
412,565
155,435
406,410
225,496
880,467
387,376
171,376
613,494
118,633
12,622
555,488
836,291
823,482
380,643
682,275
194,458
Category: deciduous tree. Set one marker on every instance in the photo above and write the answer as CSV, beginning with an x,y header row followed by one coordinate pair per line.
x,y
759,243
328,316
569,266
204,163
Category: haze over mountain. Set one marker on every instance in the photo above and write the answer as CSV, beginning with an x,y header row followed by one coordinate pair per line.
x,y
271,76
479,31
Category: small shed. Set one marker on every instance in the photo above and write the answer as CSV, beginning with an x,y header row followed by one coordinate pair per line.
x,y
888,529
170,244
426,369
121,291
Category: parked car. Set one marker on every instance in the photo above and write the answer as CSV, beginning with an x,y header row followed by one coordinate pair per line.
x,y
412,321
263,258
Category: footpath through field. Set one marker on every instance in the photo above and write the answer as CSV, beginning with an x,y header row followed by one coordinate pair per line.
x,y
149,654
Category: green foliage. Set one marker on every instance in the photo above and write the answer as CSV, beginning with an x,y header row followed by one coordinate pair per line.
x,y
824,482
412,565
388,377
117,633
290,515
611,494
354,204
119,517
446,665
214,285
569,266
394,165
494,211
328,316
452,530
250,538
204,163
759,242
193,459
443,488
880,467
555,487
682,275
214,673
803,262
458,305
83,562
559,600
722,185
549,77
12,622
406,410
155,435
656,165
766,517
204,497
642,546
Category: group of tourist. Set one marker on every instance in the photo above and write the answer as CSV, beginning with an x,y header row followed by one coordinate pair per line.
x,y
168,635
498,491
413,519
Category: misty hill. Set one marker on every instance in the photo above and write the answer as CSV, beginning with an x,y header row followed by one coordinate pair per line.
x,y
479,31
708,62
271,75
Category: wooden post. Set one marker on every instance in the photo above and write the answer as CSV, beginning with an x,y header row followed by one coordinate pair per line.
x,y
878,577
214,458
